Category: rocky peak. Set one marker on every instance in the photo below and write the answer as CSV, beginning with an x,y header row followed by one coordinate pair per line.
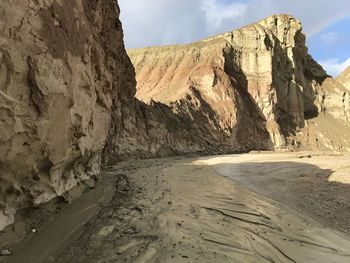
x,y
269,60
285,27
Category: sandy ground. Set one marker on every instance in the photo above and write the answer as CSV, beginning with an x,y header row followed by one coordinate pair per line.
x,y
316,184
268,207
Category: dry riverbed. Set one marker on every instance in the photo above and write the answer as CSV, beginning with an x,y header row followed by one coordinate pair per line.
x,y
258,207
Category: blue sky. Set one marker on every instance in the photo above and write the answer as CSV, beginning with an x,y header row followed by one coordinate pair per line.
x,y
331,46
159,22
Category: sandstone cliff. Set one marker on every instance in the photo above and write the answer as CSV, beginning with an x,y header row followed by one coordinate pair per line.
x,y
67,96
267,64
67,103
63,67
344,78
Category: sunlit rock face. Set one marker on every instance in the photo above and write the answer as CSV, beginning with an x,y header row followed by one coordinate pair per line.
x,y
67,96
344,78
67,104
63,67
266,65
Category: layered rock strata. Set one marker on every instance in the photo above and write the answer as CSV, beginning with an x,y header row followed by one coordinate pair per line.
x,y
67,96
67,101
266,63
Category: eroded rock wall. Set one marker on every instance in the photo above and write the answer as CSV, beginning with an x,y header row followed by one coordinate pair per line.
x,y
187,126
63,66
344,78
67,104
268,60
67,96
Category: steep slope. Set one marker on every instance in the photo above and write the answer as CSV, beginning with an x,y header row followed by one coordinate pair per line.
x,y
67,95
67,104
265,63
344,78
63,66
67,101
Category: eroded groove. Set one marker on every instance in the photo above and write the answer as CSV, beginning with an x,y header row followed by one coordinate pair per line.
x,y
241,219
238,249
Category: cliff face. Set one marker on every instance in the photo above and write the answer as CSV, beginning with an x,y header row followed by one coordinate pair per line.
x,y
67,92
266,63
190,124
67,101
344,78
63,67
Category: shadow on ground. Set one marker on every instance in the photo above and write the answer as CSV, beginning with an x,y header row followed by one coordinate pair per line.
x,y
179,210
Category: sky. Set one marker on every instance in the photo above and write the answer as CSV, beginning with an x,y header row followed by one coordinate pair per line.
x,y
160,22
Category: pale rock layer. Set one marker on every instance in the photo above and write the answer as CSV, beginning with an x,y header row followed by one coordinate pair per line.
x,y
268,64
344,78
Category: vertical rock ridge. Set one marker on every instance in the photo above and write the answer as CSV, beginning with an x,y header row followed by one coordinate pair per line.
x,y
269,60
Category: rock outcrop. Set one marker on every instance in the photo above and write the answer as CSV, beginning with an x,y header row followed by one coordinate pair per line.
x,y
63,69
67,96
344,78
67,104
267,64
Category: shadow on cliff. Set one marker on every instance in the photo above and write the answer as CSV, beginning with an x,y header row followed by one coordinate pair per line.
x,y
239,82
192,125
295,184
290,115
189,125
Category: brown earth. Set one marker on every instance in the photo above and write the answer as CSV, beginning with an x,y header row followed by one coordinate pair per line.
x,y
278,207
59,82
67,105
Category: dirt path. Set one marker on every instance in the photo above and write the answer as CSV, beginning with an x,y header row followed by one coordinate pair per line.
x,y
181,210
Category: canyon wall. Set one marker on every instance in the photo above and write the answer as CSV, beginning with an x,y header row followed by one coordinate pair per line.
x,y
67,96
67,103
63,69
267,64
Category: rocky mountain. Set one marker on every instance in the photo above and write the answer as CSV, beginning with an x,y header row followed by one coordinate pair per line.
x,y
67,103
261,74
67,96
344,78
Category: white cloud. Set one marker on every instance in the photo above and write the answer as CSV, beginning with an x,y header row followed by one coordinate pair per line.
x,y
218,13
158,22
334,67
